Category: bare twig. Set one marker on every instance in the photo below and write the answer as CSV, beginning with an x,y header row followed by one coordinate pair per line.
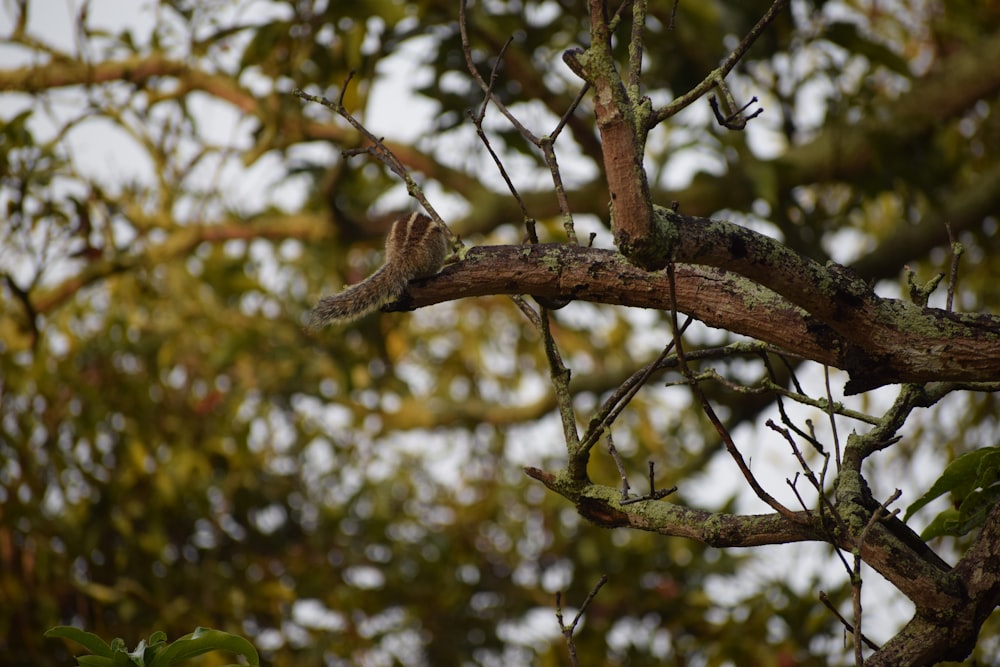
x,y
546,144
377,149
829,411
654,493
621,467
477,120
793,484
719,73
568,630
879,514
806,468
957,249
617,402
673,15
709,411
734,119
467,52
847,624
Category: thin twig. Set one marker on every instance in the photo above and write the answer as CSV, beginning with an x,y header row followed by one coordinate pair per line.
x,y
847,624
477,120
486,88
829,411
957,249
621,467
617,402
673,15
568,630
879,514
719,73
709,411
546,144
378,148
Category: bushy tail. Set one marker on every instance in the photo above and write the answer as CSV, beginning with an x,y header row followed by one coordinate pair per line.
x,y
382,287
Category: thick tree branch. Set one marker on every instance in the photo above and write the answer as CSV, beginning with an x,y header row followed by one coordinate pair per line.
x,y
621,121
859,333
939,634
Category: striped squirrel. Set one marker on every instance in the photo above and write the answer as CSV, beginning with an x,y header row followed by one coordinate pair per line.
x,y
415,248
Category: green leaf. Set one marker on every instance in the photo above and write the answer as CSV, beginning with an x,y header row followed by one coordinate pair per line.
x,y
204,640
960,477
95,661
88,640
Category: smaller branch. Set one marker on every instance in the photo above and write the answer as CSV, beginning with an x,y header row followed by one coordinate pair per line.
x,y
544,144
734,118
850,628
714,418
621,468
568,630
467,52
957,249
549,152
617,18
880,514
673,15
806,469
617,402
826,508
654,493
378,148
920,294
719,73
793,485
635,49
477,120
570,111
528,311
560,375
829,411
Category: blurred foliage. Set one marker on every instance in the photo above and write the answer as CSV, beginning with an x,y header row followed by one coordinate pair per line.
x,y
176,452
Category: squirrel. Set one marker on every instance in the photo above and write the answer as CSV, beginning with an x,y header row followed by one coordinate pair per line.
x,y
415,248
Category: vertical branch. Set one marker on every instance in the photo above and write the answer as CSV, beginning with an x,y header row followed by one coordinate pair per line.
x,y
833,421
635,49
622,125
546,144
880,514
957,249
578,457
568,630
560,375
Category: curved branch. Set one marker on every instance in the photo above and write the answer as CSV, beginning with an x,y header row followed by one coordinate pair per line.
x,y
876,340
